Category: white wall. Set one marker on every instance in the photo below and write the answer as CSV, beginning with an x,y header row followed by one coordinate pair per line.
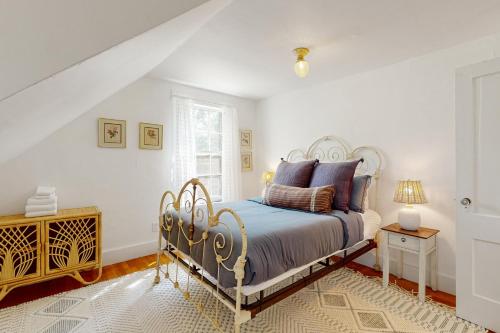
x,y
407,111
126,184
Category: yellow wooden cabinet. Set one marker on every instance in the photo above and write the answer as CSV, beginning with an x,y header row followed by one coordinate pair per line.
x,y
42,248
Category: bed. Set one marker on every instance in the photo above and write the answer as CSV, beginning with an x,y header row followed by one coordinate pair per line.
x,y
244,248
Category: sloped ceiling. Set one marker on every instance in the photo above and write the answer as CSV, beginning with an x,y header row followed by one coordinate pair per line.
x,y
247,49
41,38
29,115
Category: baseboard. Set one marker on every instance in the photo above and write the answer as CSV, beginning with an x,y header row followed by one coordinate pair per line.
x,y
124,253
446,282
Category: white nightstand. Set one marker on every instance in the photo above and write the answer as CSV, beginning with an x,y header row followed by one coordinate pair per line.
x,y
421,242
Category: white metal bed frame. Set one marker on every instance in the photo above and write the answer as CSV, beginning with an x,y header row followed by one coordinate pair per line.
x,y
199,206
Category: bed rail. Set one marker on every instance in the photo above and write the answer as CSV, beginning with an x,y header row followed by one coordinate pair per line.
x,y
193,202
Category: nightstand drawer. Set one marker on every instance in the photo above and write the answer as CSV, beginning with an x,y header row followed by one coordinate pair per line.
x,y
410,243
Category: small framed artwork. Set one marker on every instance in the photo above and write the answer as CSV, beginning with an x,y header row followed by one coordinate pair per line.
x,y
246,161
246,139
150,136
112,133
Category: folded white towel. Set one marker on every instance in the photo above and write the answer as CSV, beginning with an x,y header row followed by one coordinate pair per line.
x,y
45,190
41,213
40,208
42,200
43,196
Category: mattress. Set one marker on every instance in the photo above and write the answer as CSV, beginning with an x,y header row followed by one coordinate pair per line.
x,y
279,240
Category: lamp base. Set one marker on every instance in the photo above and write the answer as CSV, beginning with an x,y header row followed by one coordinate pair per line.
x,y
409,218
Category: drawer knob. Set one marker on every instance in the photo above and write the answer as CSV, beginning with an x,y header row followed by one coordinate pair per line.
x,y
403,239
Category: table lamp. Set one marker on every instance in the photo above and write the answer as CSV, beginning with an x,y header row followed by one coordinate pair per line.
x,y
267,177
409,192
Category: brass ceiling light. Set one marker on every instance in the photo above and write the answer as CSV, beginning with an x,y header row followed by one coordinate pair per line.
x,y
301,66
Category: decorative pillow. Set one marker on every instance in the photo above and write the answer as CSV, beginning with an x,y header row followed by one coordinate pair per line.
x,y
340,175
313,199
294,174
359,193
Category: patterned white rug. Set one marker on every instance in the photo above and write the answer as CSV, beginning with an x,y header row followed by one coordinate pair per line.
x,y
344,301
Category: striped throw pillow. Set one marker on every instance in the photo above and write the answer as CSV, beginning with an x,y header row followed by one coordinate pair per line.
x,y
313,199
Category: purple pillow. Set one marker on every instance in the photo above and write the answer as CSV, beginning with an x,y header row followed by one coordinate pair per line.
x,y
294,174
338,174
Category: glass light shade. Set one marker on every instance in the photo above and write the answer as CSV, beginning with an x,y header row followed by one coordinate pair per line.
x,y
301,68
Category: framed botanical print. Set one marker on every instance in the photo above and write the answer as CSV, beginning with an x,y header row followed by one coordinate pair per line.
x,y
246,139
150,136
112,133
246,161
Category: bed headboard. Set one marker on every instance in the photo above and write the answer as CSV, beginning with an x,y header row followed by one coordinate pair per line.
x,y
334,149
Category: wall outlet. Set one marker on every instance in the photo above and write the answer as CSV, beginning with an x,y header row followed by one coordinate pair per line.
x,y
154,227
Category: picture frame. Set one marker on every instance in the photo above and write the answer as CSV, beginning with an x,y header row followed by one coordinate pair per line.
x,y
112,133
150,136
246,161
246,138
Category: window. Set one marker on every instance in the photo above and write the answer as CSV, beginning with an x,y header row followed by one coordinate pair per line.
x,y
208,148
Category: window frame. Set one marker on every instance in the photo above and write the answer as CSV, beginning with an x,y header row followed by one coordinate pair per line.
x,y
211,154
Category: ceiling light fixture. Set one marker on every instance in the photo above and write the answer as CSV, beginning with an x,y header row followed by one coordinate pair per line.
x,y
301,66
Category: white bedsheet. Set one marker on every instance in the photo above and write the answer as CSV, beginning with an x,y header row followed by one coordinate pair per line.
x,y
372,221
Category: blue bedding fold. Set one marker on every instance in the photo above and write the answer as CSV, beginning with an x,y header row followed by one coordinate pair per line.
x,y
278,239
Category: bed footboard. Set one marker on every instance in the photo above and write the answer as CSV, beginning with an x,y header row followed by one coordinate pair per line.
x,y
178,216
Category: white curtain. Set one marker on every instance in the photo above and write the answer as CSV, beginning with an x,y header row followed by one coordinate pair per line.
x,y
185,152
184,142
231,160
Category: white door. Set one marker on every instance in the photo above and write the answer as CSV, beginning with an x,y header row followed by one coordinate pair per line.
x,y
478,193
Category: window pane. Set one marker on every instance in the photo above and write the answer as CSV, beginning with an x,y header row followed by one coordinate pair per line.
x,y
205,181
208,139
202,142
201,120
216,165
203,165
216,186
215,121
215,143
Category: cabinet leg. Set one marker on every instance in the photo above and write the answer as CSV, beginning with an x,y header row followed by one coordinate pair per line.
x,y
77,276
385,250
434,280
3,292
421,271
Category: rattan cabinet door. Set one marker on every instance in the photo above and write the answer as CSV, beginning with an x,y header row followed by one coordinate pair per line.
x,y
71,244
19,252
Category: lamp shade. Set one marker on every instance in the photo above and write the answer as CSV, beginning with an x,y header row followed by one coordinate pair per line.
x,y
268,176
409,192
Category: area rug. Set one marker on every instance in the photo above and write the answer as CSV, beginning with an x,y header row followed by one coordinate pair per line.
x,y
344,301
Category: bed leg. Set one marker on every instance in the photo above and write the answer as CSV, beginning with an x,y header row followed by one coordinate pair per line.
x,y
158,254
376,266
239,273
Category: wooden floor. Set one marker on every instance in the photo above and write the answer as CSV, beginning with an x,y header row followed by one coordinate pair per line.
x,y
29,293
